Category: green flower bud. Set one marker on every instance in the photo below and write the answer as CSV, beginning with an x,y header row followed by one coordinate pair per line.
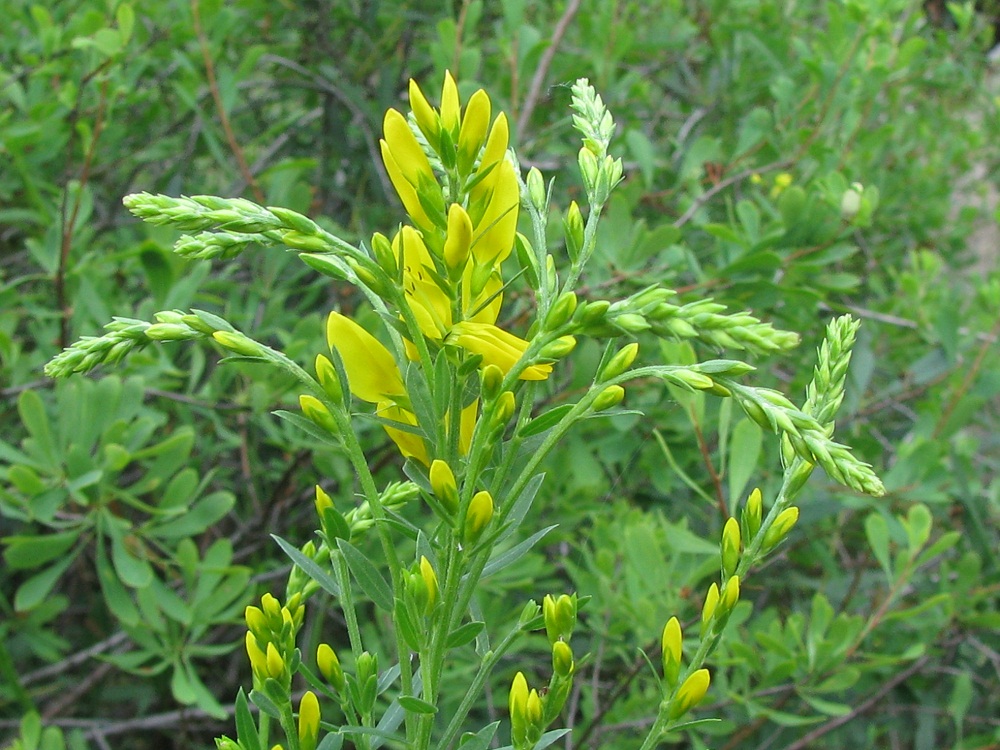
x,y
308,242
708,610
384,256
224,743
593,313
275,664
168,332
780,528
562,659
694,380
517,703
559,348
326,374
560,617
730,596
317,413
536,190
492,379
619,362
610,396
256,622
850,203
631,322
752,514
589,169
238,343
561,312
573,228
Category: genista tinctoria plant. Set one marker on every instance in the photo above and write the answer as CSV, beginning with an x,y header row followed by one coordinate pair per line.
x,y
455,389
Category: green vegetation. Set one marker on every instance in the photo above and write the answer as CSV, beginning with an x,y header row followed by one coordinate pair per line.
x,y
800,161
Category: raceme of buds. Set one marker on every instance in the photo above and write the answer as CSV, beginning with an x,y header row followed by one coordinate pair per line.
x,y
672,643
444,485
708,610
730,547
753,514
560,616
690,693
329,666
780,528
478,516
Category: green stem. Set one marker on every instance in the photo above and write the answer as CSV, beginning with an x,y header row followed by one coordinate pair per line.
x,y
589,243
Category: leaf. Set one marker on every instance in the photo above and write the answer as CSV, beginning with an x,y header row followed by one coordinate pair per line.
x,y
35,589
464,634
333,741
115,595
307,426
515,553
34,551
36,422
545,421
522,505
416,705
311,568
367,576
246,727
877,532
918,527
202,514
265,704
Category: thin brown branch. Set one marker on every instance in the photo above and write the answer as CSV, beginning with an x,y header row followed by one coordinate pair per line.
x,y
535,89
213,86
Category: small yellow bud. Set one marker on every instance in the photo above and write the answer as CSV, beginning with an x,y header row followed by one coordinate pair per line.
x,y
753,513
472,134
560,616
478,517
326,374
619,362
458,243
708,610
309,716
730,596
610,396
431,581
730,546
256,621
492,379
695,380
780,528
444,485
517,705
672,643
450,106
562,659
329,666
258,659
275,664
533,709
323,501
272,607
427,119
574,231
317,412
505,407
690,693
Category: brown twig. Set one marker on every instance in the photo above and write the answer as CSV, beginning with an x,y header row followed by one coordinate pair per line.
x,y
706,456
535,89
213,86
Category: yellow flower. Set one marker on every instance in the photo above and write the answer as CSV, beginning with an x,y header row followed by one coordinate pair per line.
x,y
493,238
428,301
497,347
372,374
410,444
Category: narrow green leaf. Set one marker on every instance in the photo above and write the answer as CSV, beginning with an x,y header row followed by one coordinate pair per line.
x,y
265,704
310,567
545,421
416,705
34,551
35,589
877,532
464,634
367,576
246,727
515,553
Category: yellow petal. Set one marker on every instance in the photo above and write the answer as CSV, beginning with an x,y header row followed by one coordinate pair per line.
x,y
496,148
405,149
497,347
459,239
493,239
372,373
429,303
406,192
450,106
468,425
409,444
485,306
427,119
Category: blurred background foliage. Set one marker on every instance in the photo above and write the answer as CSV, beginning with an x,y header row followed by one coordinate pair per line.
x,y
135,507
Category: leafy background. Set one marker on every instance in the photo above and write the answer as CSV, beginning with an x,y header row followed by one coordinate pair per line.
x,y
135,507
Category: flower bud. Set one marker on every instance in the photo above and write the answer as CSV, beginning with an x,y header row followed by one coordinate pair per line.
x,y
505,407
458,241
167,332
730,596
329,666
256,622
327,376
478,516
631,322
224,743
308,242
730,547
536,190
517,703
561,312
574,230
752,514
430,581
366,667
610,396
384,256
690,693
560,617
308,721
492,379
272,608
672,643
708,610
695,380
559,348
850,202
427,119
238,343
533,712
258,659
589,169
780,528
619,362
594,313
444,485
562,659
275,664
317,412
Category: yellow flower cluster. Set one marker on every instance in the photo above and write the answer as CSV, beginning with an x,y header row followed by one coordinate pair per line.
x,y
464,222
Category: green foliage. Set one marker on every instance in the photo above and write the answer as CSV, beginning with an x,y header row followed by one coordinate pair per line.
x,y
795,161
